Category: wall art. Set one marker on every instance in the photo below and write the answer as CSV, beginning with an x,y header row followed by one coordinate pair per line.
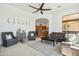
x,y
22,22
8,20
14,20
26,22
18,21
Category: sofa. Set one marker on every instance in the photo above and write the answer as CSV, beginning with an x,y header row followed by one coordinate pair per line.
x,y
71,46
55,37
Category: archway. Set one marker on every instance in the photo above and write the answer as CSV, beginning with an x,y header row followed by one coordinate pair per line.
x,y
42,27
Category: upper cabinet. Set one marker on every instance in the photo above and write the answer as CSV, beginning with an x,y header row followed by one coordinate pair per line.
x,y
71,17
70,22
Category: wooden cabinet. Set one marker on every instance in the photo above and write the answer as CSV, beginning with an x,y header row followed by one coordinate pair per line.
x,y
71,16
68,50
70,22
71,26
42,31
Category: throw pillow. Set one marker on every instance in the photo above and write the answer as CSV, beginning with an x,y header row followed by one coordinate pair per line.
x,y
32,34
70,37
8,37
76,41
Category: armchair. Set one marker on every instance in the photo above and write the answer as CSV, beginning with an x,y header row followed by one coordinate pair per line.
x,y
31,35
8,39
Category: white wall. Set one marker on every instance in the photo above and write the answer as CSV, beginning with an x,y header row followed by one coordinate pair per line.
x,y
17,14
57,17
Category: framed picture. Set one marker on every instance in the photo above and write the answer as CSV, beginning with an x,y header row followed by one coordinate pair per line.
x,y
22,22
26,22
8,20
18,21
29,22
14,20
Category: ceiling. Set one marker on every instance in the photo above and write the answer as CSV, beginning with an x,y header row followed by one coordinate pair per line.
x,y
53,6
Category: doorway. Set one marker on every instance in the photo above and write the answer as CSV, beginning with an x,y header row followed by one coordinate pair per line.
x,y
42,27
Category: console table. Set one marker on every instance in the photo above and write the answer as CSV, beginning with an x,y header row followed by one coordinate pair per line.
x,y
21,36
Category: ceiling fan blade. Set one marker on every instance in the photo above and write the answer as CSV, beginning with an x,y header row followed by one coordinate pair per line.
x,y
41,12
33,7
35,11
45,9
41,6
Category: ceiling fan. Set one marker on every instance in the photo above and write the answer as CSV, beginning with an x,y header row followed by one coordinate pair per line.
x,y
40,8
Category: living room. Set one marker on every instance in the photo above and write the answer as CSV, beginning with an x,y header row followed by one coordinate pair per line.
x,y
15,16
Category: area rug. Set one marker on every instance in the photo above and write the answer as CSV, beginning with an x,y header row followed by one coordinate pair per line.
x,y
19,49
45,48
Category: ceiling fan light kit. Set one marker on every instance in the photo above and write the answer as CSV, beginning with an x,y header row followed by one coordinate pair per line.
x,y
41,9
